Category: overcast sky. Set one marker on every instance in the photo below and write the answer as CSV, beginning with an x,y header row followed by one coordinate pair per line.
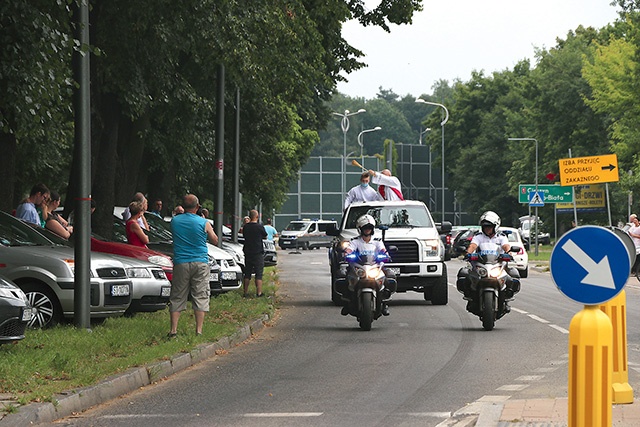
x,y
450,39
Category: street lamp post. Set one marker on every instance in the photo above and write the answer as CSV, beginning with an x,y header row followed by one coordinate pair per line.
x,y
344,125
361,143
422,132
442,123
536,141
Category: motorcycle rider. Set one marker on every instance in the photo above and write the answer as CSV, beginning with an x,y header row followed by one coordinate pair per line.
x,y
365,244
490,242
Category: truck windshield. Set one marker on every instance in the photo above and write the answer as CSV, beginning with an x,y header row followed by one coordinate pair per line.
x,y
393,217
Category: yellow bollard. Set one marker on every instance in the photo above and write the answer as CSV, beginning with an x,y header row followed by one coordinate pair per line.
x,y
590,354
616,309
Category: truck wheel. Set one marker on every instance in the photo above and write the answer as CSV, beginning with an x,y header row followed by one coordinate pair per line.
x,y
440,291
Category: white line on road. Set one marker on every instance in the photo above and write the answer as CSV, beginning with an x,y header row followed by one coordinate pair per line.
x,y
283,414
430,414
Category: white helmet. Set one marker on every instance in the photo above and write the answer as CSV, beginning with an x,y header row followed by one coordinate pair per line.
x,y
365,221
490,218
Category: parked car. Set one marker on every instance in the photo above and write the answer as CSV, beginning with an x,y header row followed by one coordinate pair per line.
x,y
521,258
151,286
45,273
230,271
527,229
162,241
100,244
15,312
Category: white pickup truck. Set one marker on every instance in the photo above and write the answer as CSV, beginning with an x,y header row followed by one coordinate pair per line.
x,y
408,226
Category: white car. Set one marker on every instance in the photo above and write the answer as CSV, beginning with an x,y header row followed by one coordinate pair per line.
x,y
521,258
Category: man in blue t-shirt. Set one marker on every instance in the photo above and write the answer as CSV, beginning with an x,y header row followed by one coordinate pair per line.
x,y
271,230
190,264
27,209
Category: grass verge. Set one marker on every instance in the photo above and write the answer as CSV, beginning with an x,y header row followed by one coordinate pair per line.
x,y
53,360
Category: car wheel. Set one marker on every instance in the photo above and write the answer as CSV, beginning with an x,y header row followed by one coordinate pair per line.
x,y
524,273
47,309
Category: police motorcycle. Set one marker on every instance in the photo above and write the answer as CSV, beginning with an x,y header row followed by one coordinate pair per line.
x,y
489,284
367,285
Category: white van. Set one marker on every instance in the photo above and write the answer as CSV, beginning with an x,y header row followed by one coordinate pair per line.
x,y
306,234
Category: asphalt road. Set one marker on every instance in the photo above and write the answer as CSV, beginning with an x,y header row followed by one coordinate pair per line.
x,y
315,367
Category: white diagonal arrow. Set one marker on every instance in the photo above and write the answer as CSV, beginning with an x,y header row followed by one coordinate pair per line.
x,y
598,274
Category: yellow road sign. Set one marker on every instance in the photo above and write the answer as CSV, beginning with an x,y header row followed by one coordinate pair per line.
x,y
589,170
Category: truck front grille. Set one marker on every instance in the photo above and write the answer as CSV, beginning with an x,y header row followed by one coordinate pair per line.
x,y
407,251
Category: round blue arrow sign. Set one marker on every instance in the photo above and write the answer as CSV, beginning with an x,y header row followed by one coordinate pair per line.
x,y
590,264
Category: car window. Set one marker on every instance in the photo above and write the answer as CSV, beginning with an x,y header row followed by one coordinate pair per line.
x,y
324,226
511,236
296,226
393,217
312,228
14,232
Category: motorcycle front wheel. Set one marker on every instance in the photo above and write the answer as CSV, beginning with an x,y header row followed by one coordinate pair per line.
x,y
367,307
488,311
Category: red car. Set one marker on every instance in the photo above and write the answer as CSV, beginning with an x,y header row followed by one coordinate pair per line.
x,y
99,244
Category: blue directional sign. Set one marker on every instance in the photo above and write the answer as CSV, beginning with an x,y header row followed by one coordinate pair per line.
x,y
590,264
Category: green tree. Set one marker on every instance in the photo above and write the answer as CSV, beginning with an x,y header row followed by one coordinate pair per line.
x,y
35,96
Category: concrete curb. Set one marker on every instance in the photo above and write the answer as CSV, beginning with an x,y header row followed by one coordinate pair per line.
x,y
81,399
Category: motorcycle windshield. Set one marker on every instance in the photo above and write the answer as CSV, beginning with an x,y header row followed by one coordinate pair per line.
x,y
489,252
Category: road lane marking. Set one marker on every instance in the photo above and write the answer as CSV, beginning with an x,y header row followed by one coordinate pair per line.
x,y
513,387
430,414
282,414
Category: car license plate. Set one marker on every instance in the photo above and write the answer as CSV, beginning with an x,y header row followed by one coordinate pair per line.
x,y
119,290
213,277
229,275
166,291
27,313
394,270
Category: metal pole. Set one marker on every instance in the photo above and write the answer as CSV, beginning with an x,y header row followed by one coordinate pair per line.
x,y
219,170
236,172
344,125
443,212
444,121
536,193
82,251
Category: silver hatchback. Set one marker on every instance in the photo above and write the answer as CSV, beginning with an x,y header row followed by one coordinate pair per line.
x,y
45,273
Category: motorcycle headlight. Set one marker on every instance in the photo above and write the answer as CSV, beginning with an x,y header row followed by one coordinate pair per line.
x,y
482,272
495,271
372,273
360,272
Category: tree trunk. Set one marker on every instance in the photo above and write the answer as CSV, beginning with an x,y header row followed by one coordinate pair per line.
x,y
106,164
8,147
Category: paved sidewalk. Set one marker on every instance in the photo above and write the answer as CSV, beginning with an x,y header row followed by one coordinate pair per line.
x,y
499,411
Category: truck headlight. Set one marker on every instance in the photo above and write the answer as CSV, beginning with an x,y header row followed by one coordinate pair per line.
x,y
431,247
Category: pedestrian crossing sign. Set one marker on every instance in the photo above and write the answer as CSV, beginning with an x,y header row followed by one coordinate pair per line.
x,y
536,199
